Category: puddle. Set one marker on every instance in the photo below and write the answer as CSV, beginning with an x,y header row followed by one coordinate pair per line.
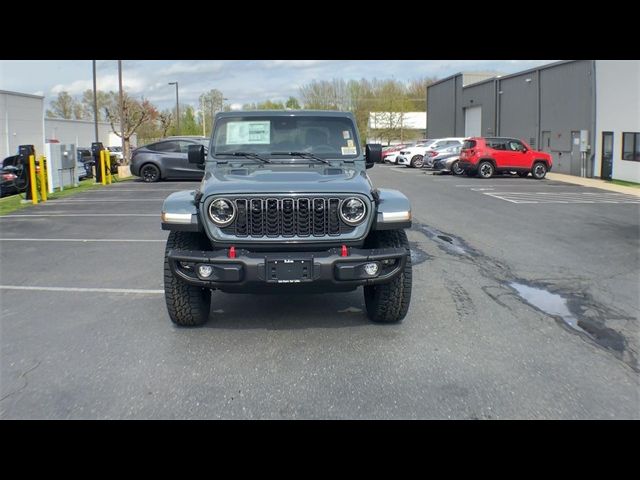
x,y
566,308
548,302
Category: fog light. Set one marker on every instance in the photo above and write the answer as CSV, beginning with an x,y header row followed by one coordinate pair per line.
x,y
371,268
205,270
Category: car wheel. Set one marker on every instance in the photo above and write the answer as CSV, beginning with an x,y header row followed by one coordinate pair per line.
x,y
539,170
417,161
187,305
150,173
485,169
389,302
456,169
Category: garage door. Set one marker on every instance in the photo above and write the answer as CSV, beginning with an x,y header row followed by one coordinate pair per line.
x,y
473,121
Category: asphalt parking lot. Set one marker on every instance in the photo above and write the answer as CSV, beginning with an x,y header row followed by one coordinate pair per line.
x,y
85,332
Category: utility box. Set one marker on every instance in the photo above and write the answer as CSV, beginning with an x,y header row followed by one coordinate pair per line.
x,y
584,141
62,160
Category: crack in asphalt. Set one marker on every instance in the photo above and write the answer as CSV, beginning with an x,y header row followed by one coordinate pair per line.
x,y
592,317
23,377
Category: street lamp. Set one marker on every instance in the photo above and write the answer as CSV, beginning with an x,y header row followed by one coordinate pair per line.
x,y
177,108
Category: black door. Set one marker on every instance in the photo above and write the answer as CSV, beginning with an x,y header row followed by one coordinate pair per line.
x,y
607,156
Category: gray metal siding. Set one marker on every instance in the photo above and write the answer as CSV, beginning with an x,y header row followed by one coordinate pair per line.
x,y
518,106
441,109
482,95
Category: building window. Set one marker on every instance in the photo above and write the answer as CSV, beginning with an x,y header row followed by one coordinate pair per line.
x,y
631,146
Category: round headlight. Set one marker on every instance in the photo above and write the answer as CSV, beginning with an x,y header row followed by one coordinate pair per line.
x,y
222,212
353,211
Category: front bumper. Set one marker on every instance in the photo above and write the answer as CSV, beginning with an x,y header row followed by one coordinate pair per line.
x,y
402,160
323,271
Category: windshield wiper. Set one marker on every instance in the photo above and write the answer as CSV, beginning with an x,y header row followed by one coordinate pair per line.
x,y
303,155
245,154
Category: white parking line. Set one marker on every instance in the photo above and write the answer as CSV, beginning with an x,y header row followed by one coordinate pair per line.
x,y
5,217
82,240
565,197
79,289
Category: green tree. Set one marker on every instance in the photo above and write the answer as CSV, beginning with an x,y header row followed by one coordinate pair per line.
x,y
105,99
188,123
211,102
292,103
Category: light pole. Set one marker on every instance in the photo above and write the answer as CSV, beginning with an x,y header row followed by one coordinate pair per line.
x,y
177,108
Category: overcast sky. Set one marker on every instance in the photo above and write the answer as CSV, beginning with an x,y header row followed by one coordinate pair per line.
x,y
241,81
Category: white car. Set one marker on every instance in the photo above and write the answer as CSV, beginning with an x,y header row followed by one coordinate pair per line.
x,y
414,157
116,152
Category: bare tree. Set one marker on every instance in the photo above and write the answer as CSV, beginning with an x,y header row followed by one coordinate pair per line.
x,y
165,118
134,114
62,107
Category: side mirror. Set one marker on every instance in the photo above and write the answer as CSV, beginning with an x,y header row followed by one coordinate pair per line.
x,y
196,154
373,154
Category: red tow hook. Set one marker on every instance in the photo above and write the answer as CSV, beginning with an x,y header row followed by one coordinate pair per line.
x,y
344,252
232,252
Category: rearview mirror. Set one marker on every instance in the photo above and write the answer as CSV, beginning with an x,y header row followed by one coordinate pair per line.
x,y
373,154
196,154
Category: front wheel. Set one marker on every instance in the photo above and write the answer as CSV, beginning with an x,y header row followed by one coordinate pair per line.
x,y
389,302
539,170
187,305
417,161
456,169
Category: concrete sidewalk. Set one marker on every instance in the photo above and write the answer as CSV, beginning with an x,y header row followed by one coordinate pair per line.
x,y
594,183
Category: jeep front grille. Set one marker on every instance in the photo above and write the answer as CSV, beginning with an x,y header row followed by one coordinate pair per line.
x,y
287,217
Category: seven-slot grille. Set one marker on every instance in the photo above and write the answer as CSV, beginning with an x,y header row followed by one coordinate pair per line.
x,y
287,217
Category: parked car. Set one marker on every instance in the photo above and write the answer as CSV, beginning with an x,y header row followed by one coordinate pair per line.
x,y
9,177
486,156
448,161
167,159
414,157
85,163
438,153
117,153
390,153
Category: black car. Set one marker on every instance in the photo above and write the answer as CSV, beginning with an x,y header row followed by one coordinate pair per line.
x,y
12,177
85,163
167,159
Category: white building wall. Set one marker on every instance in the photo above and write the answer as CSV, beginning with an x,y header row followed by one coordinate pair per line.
x,y
20,122
617,111
80,132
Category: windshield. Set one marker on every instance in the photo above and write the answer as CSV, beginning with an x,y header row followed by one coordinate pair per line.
x,y
278,137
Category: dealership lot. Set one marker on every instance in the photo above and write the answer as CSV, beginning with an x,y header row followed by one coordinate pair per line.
x,y
85,332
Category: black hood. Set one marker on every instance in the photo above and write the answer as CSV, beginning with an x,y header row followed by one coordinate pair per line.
x,y
279,178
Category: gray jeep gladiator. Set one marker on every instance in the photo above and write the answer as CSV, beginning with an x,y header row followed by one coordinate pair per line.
x,y
286,205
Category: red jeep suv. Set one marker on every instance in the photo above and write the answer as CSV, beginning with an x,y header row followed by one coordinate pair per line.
x,y
485,156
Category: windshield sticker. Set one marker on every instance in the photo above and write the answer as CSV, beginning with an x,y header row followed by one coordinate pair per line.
x,y
349,143
349,151
346,134
249,133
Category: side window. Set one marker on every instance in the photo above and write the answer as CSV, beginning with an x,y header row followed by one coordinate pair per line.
x,y
183,146
164,147
516,146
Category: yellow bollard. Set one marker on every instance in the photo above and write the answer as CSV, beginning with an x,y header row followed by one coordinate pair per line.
x,y
107,155
43,178
102,173
32,179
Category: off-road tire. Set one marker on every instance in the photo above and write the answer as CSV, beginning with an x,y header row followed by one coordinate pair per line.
x,y
389,302
187,305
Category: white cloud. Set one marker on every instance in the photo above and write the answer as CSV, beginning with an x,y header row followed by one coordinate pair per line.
x,y
292,63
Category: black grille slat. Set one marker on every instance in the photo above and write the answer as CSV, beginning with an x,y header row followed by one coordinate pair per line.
x,y
304,217
334,219
256,216
272,223
287,217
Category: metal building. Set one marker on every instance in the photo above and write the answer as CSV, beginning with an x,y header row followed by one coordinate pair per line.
x,y
21,122
563,108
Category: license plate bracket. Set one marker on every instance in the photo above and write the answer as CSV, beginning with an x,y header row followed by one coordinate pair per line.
x,y
286,270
